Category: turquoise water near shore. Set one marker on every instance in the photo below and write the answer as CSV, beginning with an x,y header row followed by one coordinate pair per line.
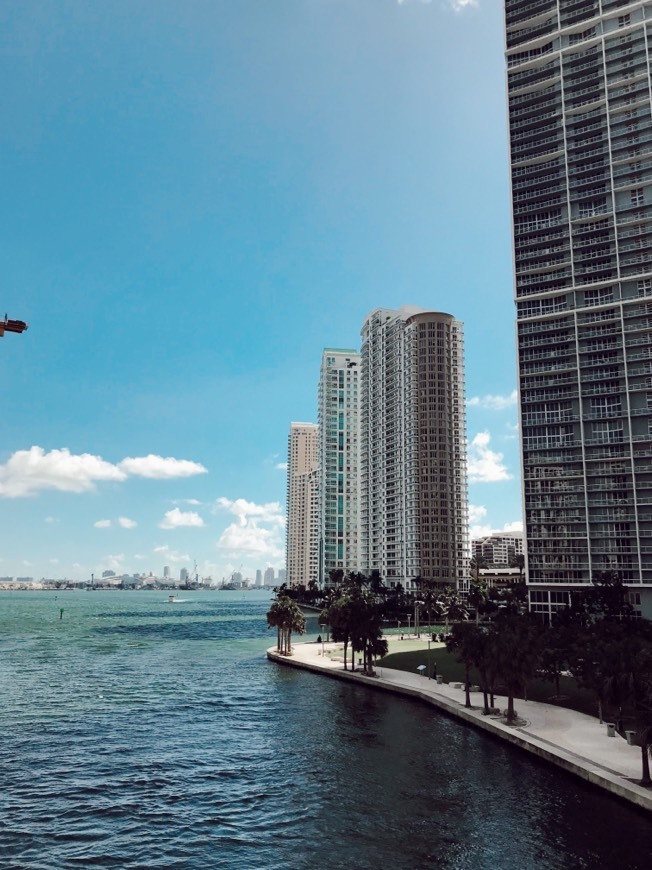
x,y
138,733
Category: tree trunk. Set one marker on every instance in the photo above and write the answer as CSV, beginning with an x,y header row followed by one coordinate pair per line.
x,y
346,652
486,701
557,688
278,638
600,709
511,715
467,685
645,758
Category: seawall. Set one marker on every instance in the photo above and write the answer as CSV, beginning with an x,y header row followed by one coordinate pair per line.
x,y
572,741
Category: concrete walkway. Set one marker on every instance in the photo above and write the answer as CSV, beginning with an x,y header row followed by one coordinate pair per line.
x,y
571,740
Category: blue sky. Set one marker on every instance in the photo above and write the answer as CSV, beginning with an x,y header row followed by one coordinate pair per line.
x,y
197,197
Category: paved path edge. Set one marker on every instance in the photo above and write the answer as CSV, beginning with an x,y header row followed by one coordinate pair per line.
x,y
586,769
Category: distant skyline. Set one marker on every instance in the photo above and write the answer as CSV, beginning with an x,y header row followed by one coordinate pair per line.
x,y
197,199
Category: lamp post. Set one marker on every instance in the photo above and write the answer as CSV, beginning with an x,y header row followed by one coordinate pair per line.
x,y
429,667
417,614
409,619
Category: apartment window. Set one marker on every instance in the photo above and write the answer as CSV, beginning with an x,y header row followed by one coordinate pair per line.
x,y
637,196
624,20
610,431
606,406
593,207
644,287
598,296
578,37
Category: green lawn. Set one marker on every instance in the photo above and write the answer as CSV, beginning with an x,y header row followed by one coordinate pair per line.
x,y
452,671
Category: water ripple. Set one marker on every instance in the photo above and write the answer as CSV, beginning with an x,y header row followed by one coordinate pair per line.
x,y
143,735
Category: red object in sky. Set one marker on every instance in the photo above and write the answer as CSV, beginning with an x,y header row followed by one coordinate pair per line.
x,y
7,325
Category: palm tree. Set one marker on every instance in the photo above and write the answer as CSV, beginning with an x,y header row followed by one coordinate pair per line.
x,y
642,692
451,606
555,652
286,617
517,655
274,621
464,641
338,617
429,603
518,561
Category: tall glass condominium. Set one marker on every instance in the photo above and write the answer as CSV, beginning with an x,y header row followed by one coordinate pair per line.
x,y
578,74
338,415
413,490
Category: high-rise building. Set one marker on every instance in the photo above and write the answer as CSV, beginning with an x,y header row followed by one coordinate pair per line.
x,y
269,576
413,490
259,577
581,154
338,415
166,571
183,575
302,482
499,549
282,575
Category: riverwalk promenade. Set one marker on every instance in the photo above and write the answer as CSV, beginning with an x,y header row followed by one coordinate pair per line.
x,y
573,741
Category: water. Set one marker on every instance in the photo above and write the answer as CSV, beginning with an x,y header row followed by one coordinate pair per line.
x,y
142,734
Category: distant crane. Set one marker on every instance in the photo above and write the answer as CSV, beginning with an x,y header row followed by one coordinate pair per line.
x,y
230,583
7,325
188,584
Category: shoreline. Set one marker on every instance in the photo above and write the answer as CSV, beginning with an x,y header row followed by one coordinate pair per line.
x,y
570,740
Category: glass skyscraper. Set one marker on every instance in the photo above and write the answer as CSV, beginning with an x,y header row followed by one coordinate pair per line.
x,y
579,89
338,414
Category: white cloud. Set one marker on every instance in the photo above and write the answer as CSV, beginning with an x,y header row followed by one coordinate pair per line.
x,y
172,555
250,539
515,526
248,511
485,465
512,428
126,523
282,466
493,403
114,563
456,5
461,5
160,468
28,472
479,529
50,520
102,524
249,534
176,519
